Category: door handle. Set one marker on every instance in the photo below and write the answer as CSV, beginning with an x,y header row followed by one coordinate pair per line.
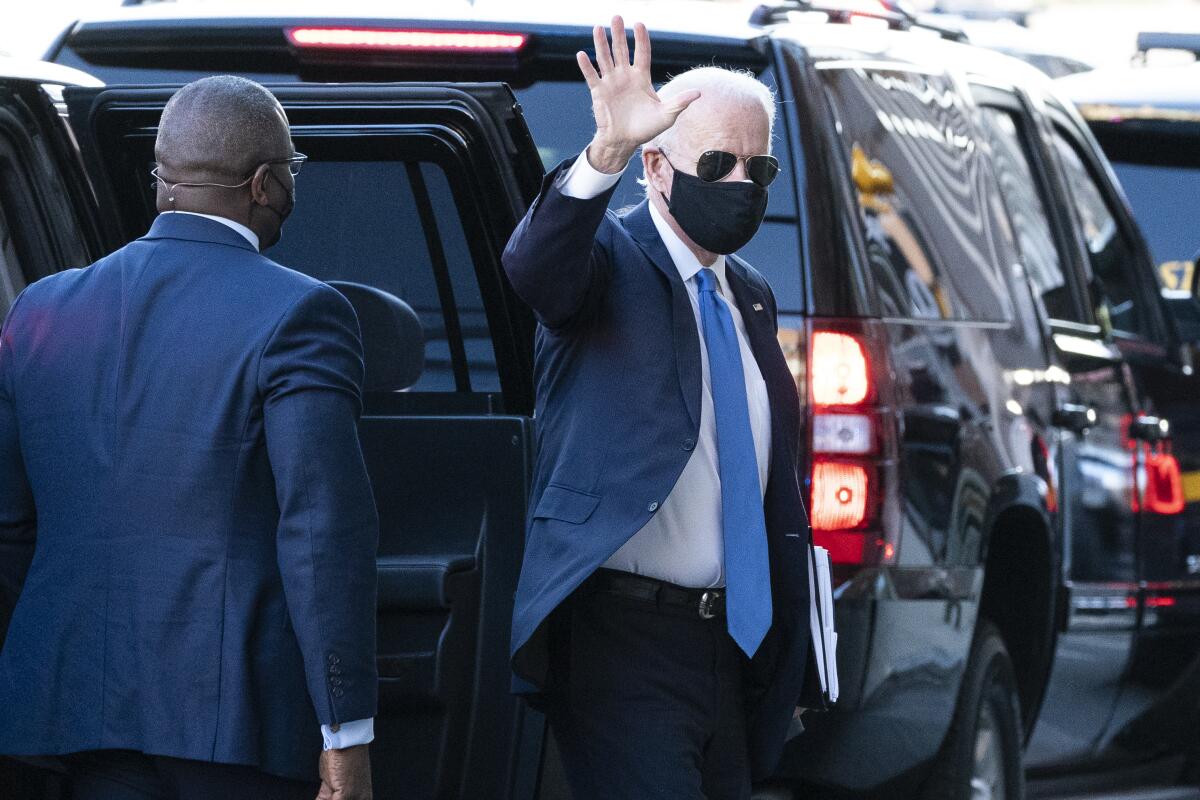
x,y
1074,417
1149,428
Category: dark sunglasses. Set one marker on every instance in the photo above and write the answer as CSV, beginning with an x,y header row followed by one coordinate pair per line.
x,y
713,165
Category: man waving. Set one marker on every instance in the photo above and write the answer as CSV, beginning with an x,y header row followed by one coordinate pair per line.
x,y
661,617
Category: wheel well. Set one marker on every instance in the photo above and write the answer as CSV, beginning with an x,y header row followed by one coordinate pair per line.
x,y
1018,598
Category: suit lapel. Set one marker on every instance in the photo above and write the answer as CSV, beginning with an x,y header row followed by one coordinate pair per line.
x,y
683,322
760,330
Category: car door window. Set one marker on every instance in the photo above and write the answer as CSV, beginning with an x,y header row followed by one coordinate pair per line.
x,y
1112,256
405,236
932,243
1007,143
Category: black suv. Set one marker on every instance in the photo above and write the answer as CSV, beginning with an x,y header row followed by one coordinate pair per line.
x,y
989,475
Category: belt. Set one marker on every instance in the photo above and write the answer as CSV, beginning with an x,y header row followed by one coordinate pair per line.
x,y
707,603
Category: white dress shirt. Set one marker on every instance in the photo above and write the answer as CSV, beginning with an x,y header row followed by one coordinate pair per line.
x,y
683,542
348,734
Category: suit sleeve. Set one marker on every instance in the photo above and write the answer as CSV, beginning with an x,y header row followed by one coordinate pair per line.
x,y
311,377
18,516
552,259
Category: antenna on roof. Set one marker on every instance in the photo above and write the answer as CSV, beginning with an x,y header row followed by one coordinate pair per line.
x,y
898,14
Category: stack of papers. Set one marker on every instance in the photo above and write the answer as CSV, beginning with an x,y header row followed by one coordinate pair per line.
x,y
820,585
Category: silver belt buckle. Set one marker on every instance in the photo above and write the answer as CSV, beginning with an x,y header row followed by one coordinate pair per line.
x,y
707,601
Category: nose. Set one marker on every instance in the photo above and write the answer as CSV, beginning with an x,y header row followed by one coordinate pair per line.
x,y
738,173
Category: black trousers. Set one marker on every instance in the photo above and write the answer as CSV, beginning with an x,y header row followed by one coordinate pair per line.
x,y
646,701
128,775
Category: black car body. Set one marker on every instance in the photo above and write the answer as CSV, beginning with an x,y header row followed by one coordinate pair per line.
x,y
985,479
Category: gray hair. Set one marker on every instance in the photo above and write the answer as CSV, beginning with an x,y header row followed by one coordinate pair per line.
x,y
220,128
734,86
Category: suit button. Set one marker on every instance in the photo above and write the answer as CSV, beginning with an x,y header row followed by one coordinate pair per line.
x,y
334,660
689,444
337,692
335,681
335,670
652,507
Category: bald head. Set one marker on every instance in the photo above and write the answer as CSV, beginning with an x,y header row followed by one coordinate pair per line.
x,y
219,129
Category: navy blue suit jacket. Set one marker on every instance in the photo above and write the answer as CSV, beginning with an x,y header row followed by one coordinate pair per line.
x,y
178,447
618,375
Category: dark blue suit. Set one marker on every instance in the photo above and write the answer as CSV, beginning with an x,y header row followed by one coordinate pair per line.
x,y
618,409
178,448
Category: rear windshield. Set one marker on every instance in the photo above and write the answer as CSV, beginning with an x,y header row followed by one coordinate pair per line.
x,y
1161,178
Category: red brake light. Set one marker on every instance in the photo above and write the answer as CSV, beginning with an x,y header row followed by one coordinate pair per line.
x,y
839,373
839,496
1164,484
852,441
390,39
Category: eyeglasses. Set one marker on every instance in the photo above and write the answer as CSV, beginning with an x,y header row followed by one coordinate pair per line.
x,y
713,165
294,162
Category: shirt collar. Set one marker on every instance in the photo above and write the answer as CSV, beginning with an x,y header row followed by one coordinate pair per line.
x,y
685,260
249,235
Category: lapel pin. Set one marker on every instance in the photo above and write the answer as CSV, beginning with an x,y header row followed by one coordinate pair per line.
x,y
758,306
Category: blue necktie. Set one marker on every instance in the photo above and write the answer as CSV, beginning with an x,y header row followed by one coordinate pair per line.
x,y
747,569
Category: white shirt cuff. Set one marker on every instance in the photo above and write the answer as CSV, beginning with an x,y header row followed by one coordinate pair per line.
x,y
348,734
583,181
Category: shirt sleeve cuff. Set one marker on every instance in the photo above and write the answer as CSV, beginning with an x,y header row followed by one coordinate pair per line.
x,y
583,181
348,734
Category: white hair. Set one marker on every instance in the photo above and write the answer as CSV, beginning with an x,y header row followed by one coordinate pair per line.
x,y
731,86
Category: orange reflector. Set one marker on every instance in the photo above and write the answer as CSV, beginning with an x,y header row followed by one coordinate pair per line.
x,y
1164,484
380,38
839,496
839,373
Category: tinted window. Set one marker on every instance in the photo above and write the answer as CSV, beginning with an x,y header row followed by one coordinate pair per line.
x,y
923,196
559,117
1027,212
362,221
1114,287
25,253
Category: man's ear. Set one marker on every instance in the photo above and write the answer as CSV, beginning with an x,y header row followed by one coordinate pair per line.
x,y
258,185
654,167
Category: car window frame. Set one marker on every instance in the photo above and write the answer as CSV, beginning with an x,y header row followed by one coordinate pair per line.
x,y
1154,342
1011,100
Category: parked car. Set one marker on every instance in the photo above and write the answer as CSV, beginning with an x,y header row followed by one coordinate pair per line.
x,y
984,463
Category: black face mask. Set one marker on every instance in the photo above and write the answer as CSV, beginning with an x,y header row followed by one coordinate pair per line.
x,y
721,216
289,205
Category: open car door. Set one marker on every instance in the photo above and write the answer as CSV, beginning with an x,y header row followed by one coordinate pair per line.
x,y
408,197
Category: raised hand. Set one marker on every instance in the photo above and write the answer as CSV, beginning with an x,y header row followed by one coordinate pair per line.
x,y
628,111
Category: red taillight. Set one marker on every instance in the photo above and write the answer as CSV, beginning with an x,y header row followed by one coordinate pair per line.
x,y
1164,484
839,496
839,374
850,442
391,39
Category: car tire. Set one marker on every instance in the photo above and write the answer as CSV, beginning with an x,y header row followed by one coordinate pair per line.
x,y
981,757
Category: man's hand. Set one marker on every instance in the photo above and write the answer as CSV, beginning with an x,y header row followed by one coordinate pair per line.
x,y
628,111
345,774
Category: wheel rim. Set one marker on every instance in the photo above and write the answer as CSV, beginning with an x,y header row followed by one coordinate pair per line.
x,y
987,775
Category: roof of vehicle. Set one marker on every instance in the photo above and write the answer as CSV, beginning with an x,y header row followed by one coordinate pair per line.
x,y
1168,92
43,72
724,20
671,22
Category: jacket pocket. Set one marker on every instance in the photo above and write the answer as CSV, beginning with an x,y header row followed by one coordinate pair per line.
x,y
568,505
